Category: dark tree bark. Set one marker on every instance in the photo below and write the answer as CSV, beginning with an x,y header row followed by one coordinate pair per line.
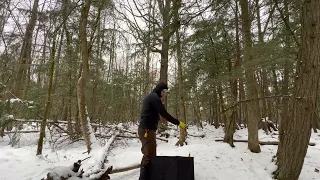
x,y
83,113
215,108
285,86
253,106
182,113
25,53
230,125
296,136
48,102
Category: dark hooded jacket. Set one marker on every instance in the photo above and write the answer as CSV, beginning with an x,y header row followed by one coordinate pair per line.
x,y
152,108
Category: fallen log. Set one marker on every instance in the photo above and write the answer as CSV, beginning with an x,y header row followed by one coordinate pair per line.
x,y
123,136
11,132
194,135
125,169
261,142
66,122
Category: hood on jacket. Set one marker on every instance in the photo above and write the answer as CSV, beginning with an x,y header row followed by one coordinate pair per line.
x,y
159,87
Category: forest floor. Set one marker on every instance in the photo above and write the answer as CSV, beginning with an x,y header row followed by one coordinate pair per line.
x,y
212,160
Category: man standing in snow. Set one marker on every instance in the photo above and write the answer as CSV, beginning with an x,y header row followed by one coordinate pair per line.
x,y
152,108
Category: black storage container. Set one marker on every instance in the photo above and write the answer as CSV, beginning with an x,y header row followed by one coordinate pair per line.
x,y
171,168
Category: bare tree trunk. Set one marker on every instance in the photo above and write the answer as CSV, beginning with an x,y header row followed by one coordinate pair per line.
x,y
166,33
294,144
230,125
285,87
148,58
84,118
264,77
253,106
47,107
40,80
165,52
95,72
112,56
221,102
26,50
238,66
182,113
216,108
243,106
276,87
68,59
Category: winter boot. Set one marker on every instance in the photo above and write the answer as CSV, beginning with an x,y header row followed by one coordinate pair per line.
x,y
144,174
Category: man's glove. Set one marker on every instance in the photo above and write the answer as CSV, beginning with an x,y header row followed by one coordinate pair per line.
x,y
182,125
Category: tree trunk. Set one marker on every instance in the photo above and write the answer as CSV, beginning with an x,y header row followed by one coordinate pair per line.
x,y
70,68
84,118
243,106
238,65
47,107
267,104
148,58
297,134
182,113
26,50
223,116
164,59
285,86
253,106
215,108
230,126
166,33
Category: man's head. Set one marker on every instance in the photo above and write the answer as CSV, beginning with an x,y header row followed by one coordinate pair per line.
x,y
161,89
164,92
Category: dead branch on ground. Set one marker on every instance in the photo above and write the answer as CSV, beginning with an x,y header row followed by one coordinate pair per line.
x,y
123,136
262,142
129,168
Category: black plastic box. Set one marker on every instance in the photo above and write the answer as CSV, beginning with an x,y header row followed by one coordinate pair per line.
x,y
171,168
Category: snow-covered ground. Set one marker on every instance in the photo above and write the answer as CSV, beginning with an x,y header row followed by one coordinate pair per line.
x,y
213,160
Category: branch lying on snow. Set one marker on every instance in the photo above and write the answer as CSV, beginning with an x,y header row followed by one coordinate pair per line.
x,y
66,122
95,172
11,132
99,125
97,135
123,136
63,173
97,169
196,135
262,142
125,169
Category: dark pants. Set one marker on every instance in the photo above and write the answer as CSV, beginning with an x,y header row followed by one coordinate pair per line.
x,y
148,149
149,145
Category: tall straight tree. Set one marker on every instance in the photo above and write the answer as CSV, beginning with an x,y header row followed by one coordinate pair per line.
x,y
148,49
229,128
294,143
253,105
25,53
167,30
266,103
81,86
166,33
48,102
285,86
182,110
